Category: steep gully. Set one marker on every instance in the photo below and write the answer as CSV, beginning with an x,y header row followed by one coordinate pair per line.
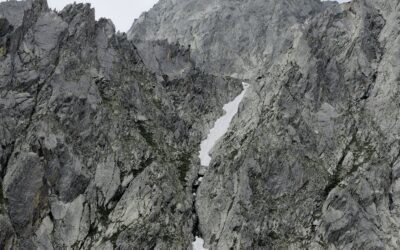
x,y
221,126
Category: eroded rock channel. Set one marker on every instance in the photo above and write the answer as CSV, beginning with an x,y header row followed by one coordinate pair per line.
x,y
219,129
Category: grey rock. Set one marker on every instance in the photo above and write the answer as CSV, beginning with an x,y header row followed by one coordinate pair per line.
x,y
44,234
310,161
13,12
225,37
98,148
22,188
314,168
163,58
7,234
99,134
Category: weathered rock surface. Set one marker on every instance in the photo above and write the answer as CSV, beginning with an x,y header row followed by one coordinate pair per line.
x,y
237,38
97,151
311,161
99,135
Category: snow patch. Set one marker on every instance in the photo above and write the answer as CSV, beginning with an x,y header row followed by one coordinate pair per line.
x,y
221,126
198,244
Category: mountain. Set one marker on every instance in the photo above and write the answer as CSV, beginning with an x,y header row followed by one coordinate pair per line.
x,y
100,132
96,150
311,161
238,38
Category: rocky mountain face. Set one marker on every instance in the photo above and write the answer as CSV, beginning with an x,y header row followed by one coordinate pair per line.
x,y
312,159
238,38
96,150
100,132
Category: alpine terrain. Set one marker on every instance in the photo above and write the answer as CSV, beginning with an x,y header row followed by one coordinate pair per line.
x,y
101,132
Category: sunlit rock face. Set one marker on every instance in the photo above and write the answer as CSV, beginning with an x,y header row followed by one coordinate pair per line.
x,y
100,134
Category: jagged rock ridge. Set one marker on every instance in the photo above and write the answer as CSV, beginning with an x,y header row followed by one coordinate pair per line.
x,y
97,151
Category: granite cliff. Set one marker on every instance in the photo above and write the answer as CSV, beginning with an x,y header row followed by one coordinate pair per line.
x,y
96,149
100,132
311,160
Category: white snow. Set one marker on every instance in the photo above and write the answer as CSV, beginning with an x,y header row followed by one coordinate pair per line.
x,y
198,244
221,126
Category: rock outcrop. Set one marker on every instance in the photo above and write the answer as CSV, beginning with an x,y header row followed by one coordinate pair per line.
x,y
97,151
238,38
311,160
99,134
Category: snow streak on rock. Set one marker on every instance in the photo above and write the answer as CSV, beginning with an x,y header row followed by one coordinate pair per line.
x,y
221,126
198,244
